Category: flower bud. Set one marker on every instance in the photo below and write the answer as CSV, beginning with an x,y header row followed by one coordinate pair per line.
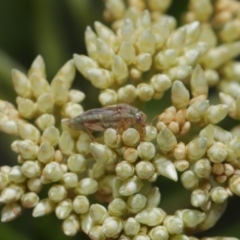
x,y
166,140
76,163
117,207
46,153
130,186
29,200
130,154
143,62
45,121
131,226
87,186
151,216
124,170
146,150
111,227
98,213
80,204
173,224
196,111
119,69
202,168
219,194
196,148
217,152
44,207
31,169
70,179
27,108
12,193
66,143
57,193
71,225
28,132
34,185
136,203
158,232
63,209
112,138
216,113
127,94
127,52
144,169
51,136
83,142
52,172
199,197
189,179
11,211
16,175
45,103
108,97
130,137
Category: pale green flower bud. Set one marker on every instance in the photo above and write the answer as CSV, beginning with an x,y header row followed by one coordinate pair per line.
x,y
116,184
202,168
165,59
27,108
45,121
145,92
112,138
71,225
39,85
105,183
100,78
144,169
97,171
141,236
166,140
216,113
83,63
159,232
150,133
80,204
127,94
199,197
96,233
117,207
71,110
52,172
143,62
44,207
112,226
37,68
46,153
29,200
160,82
179,72
153,198
59,89
165,168
131,137
177,39
45,103
136,203
16,175
105,53
127,52
127,28
212,77
230,102
34,185
21,84
87,186
76,163
130,186
180,95
31,169
130,154
190,57
66,143
180,151
67,73
131,226
12,193
189,179
219,194
181,165
98,214
83,142
196,148
191,218
217,152
28,131
86,222
63,209
8,126
76,96
146,150
70,179
102,153
108,97
57,193
4,181
198,82
173,224
208,132
222,135
119,69
11,211
27,149
151,216
146,42
234,184
51,136
124,170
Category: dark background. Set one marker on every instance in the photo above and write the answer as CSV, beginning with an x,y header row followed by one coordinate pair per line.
x,y
55,29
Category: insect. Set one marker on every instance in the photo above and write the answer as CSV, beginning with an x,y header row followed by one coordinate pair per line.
x,y
120,116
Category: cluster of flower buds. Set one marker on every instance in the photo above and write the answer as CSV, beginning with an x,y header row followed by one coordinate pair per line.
x,y
144,56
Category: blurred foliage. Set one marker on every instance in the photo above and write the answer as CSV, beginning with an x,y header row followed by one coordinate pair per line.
x,y
55,29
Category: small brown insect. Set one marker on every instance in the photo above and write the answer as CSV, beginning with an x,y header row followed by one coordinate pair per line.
x,y
120,116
